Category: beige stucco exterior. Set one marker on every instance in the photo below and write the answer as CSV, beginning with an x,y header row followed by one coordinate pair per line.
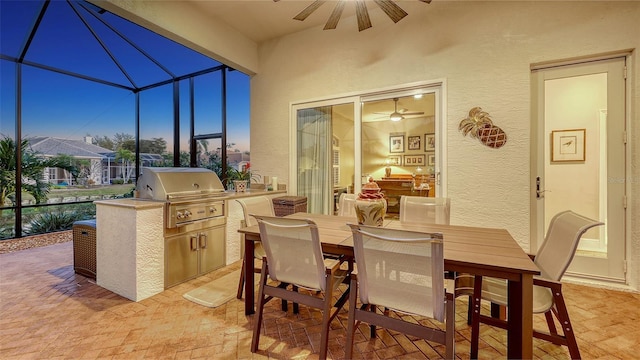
x,y
481,50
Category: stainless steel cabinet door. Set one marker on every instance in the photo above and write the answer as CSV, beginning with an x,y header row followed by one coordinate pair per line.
x,y
212,249
181,258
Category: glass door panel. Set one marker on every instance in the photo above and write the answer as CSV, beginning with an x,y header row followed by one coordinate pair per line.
x,y
398,145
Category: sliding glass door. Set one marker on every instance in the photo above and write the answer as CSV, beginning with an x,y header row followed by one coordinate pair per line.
x,y
393,137
324,154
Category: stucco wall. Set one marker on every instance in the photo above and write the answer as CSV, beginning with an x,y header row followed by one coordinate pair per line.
x,y
484,52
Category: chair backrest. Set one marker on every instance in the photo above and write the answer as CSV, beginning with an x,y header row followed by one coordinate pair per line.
x,y
400,270
256,205
424,210
346,205
560,244
293,250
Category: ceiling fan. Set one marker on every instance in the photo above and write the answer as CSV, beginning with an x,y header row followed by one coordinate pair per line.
x,y
393,11
398,115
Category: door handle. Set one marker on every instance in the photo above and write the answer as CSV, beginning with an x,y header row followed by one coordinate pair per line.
x,y
203,240
194,243
539,192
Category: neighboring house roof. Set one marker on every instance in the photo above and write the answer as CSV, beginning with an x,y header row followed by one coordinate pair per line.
x,y
235,158
50,146
111,155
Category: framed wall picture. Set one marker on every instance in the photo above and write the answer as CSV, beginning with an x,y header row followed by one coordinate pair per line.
x,y
413,142
394,160
396,143
414,160
431,159
568,145
429,142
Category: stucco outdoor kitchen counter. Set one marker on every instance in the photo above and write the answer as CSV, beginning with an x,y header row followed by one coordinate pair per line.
x,y
130,245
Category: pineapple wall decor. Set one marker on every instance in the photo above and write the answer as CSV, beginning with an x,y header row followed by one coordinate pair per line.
x,y
480,126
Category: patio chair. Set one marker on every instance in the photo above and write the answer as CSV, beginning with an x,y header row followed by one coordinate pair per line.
x,y
553,259
260,205
346,205
424,210
400,271
294,256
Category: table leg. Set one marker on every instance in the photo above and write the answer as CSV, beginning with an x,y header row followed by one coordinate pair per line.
x,y
249,278
520,331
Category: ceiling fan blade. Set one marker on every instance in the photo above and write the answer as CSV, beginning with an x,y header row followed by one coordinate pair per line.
x,y
335,16
363,15
308,10
393,11
426,1
412,113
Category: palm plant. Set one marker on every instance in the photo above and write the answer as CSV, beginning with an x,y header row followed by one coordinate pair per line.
x,y
32,169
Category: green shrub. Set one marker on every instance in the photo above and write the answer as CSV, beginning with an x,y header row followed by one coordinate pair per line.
x,y
53,221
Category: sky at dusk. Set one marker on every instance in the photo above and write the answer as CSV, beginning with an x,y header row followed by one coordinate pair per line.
x,y
59,105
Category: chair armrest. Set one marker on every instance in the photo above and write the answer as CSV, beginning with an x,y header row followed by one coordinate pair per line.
x,y
555,286
338,264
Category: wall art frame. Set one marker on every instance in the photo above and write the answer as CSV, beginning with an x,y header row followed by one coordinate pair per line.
x,y
396,143
395,160
431,159
430,142
413,142
414,160
568,145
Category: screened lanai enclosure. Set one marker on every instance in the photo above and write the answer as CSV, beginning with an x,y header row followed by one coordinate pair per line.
x,y
87,98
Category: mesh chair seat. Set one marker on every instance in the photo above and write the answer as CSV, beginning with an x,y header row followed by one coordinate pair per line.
x,y
260,205
424,210
346,205
294,256
553,258
402,271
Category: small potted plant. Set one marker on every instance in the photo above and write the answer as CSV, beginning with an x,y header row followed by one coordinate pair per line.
x,y
241,178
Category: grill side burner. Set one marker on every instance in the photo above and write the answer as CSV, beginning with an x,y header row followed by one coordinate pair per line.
x,y
194,218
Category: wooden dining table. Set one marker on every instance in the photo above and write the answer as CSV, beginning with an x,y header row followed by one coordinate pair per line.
x,y
474,250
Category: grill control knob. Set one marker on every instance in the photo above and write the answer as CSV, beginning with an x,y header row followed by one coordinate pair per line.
x,y
179,215
187,213
212,210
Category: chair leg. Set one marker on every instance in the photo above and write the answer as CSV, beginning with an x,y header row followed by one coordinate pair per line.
x,y
450,324
296,307
353,296
255,341
241,282
475,318
565,322
550,323
326,316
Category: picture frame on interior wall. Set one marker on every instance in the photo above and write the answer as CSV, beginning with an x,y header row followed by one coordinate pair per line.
x,y
568,145
429,142
414,160
396,143
431,159
395,160
413,142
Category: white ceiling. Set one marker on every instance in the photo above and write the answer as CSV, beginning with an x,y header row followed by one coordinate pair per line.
x,y
262,20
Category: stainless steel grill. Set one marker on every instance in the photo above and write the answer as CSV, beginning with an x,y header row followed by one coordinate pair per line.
x,y
191,194
195,219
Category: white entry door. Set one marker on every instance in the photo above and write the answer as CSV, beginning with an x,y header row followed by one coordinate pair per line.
x,y
578,162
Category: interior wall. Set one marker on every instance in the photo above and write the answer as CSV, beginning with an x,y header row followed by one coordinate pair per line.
x,y
483,51
575,103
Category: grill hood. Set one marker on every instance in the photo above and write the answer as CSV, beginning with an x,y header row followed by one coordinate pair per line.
x,y
167,183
